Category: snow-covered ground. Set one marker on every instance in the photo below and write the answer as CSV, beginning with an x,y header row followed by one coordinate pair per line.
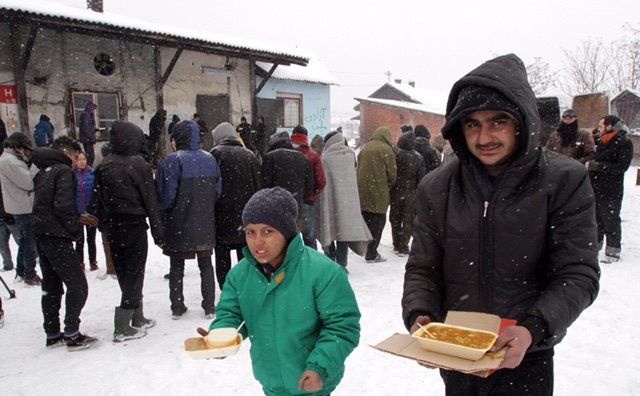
x,y
599,356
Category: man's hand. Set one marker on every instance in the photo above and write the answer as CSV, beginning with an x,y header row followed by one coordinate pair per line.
x,y
518,339
310,381
89,220
422,320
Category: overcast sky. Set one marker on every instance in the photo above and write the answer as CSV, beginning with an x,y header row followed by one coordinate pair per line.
x,y
433,43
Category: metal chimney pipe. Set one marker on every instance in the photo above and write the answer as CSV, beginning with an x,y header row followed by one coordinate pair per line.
x,y
96,5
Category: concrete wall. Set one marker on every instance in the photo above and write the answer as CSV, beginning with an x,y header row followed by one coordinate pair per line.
x,y
65,62
316,103
373,116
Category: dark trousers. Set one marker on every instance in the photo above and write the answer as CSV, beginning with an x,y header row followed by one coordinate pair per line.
x,y
223,260
338,252
401,214
207,284
608,218
375,222
26,260
91,244
89,152
531,378
128,243
308,228
60,265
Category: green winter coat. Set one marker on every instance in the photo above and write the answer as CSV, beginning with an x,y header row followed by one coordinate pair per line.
x,y
306,318
377,172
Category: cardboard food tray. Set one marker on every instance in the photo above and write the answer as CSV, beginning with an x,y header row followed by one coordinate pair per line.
x,y
197,349
406,346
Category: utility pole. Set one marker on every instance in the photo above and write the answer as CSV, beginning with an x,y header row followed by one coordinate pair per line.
x,y
388,73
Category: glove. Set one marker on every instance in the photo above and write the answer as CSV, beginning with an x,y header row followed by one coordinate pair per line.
x,y
594,166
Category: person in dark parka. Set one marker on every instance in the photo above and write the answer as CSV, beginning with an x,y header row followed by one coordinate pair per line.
x,y
240,169
614,152
188,184
285,167
505,228
124,183
430,154
56,225
411,169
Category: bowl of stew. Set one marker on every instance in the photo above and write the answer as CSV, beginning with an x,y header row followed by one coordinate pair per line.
x,y
462,342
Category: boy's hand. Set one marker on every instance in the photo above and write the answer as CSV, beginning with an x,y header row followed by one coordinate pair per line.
x,y
89,220
310,381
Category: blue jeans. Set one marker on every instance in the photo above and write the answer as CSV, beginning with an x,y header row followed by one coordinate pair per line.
x,y
27,254
308,228
6,230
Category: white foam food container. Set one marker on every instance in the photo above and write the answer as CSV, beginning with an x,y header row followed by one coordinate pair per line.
x,y
454,349
197,349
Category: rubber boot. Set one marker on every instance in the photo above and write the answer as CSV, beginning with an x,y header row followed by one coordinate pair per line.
x,y
123,330
139,321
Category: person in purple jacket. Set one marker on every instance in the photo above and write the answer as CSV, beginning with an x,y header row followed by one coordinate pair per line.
x,y
88,131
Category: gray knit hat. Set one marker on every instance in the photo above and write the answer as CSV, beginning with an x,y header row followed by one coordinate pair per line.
x,y
275,207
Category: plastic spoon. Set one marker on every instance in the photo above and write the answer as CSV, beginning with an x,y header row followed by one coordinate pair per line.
x,y
425,330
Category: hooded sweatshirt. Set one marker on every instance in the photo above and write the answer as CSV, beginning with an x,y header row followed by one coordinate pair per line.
x,y
188,184
523,246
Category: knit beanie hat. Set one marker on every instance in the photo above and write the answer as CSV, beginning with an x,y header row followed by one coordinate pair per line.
x,y
570,113
300,129
275,207
406,128
474,98
300,139
422,131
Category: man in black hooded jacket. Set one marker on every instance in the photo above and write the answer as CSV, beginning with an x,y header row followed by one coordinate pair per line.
x,y
56,225
505,228
124,185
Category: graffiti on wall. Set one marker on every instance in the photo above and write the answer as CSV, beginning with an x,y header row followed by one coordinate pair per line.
x,y
318,121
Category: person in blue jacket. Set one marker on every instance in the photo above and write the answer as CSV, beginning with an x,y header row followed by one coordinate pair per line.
x,y
188,184
43,132
84,174
299,309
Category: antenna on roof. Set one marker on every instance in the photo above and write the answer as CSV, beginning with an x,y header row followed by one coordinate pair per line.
x,y
388,73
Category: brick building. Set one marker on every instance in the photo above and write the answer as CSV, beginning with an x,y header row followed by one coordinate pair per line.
x,y
395,104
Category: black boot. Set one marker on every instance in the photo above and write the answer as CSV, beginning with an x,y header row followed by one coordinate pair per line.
x,y
123,331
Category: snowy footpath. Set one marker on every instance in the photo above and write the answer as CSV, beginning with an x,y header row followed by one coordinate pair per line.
x,y
599,356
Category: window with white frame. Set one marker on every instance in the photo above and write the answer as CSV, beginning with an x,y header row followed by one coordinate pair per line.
x,y
292,109
106,113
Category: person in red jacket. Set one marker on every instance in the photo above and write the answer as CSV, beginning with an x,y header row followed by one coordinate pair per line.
x,y
300,141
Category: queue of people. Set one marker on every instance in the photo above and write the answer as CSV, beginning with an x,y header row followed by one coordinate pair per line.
x,y
273,200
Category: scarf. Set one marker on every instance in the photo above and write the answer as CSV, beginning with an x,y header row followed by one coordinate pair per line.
x,y
568,133
608,137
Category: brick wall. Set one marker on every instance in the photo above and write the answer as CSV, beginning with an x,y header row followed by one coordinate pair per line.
x,y
373,116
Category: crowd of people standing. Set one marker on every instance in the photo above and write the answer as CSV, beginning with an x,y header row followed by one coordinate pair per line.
x,y
275,200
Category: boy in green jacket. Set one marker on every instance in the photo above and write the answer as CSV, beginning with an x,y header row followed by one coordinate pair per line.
x,y
300,310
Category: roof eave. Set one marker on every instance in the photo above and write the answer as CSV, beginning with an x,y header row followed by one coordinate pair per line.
x,y
145,37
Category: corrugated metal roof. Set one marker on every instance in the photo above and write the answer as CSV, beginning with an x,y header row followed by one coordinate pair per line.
x,y
34,9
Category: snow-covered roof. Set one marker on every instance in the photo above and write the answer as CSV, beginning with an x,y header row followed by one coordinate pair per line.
x,y
436,101
405,105
629,90
46,11
314,72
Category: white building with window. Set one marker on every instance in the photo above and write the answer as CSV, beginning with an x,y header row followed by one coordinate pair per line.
x,y
294,95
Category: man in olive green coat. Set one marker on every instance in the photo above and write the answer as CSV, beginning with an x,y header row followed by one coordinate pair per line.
x,y
377,173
